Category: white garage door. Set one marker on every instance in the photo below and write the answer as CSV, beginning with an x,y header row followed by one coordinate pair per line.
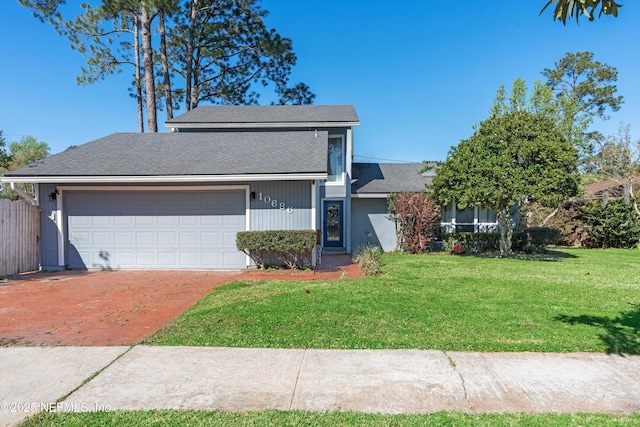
x,y
154,229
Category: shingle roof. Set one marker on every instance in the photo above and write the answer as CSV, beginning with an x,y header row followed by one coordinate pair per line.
x,y
254,115
609,187
192,153
385,178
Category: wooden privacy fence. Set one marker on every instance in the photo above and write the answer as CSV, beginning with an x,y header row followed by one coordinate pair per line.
x,y
19,237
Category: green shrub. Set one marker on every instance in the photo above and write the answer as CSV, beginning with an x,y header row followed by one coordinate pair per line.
x,y
471,242
368,259
535,239
613,224
293,247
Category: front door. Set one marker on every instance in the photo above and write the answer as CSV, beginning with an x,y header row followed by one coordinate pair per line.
x,y
333,220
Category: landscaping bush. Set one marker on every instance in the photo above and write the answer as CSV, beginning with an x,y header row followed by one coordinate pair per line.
x,y
612,224
293,247
471,242
417,219
566,218
368,259
535,239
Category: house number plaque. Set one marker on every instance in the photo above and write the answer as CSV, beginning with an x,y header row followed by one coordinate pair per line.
x,y
274,203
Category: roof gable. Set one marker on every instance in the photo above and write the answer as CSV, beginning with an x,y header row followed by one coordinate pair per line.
x,y
253,116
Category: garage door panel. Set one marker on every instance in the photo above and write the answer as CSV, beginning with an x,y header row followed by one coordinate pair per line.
x,y
188,220
102,238
144,229
190,259
145,259
167,258
211,238
167,238
210,220
125,259
167,220
144,220
211,258
233,220
146,238
229,239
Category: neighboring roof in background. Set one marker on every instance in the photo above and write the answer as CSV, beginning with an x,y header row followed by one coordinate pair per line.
x,y
219,116
384,178
609,187
193,153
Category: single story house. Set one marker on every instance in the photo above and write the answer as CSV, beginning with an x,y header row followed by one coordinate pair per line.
x,y
176,200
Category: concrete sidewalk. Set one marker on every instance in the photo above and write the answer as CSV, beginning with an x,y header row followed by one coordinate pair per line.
x,y
386,381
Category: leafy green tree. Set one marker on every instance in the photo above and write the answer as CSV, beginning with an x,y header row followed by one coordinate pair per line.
x,y
222,49
518,156
26,151
4,157
541,101
22,153
586,89
569,8
611,224
618,159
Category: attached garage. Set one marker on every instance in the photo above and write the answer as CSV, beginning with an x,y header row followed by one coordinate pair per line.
x,y
154,229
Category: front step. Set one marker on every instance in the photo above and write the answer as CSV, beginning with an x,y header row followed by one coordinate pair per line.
x,y
333,251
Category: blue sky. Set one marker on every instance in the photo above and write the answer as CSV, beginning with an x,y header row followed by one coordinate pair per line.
x,y
419,73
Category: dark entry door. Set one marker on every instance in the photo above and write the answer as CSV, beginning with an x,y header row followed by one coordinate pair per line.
x,y
333,220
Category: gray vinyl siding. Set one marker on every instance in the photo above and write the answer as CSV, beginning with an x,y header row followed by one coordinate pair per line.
x,y
334,192
281,205
48,228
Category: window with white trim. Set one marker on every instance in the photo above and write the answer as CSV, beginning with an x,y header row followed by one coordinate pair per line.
x,y
335,159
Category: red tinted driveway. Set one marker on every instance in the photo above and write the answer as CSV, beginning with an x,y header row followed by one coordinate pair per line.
x,y
114,307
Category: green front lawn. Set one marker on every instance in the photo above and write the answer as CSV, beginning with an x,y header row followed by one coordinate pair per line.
x,y
570,300
308,418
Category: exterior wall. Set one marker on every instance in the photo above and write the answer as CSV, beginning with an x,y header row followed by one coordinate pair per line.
x,y
48,228
295,214
281,205
369,224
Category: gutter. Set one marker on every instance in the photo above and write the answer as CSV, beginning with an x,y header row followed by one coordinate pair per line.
x,y
22,194
165,178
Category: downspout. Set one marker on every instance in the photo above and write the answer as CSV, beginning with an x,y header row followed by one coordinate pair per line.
x,y
20,192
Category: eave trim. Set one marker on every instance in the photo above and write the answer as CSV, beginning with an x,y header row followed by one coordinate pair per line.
x,y
164,178
252,125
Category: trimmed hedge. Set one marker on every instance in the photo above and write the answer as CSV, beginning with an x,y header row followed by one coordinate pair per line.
x,y
293,247
535,239
471,242
529,240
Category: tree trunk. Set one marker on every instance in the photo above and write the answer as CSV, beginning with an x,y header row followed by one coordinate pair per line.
x,y
506,231
138,73
165,67
189,56
551,215
147,62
